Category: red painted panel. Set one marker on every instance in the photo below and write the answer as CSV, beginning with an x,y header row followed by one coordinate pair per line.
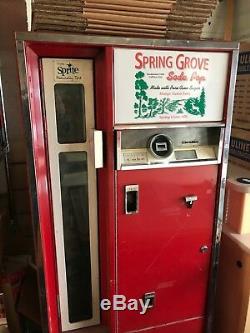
x,y
159,248
189,326
43,190
63,50
34,51
106,181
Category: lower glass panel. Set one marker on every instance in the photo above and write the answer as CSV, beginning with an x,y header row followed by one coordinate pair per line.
x,y
75,206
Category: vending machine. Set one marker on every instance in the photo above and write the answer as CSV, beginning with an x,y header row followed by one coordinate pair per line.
x,y
128,144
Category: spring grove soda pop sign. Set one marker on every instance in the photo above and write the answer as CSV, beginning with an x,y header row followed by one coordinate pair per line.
x,y
169,86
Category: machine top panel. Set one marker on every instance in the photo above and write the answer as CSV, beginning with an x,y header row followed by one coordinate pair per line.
x,y
164,86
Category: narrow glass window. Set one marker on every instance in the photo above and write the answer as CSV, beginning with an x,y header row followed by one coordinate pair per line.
x,y
75,206
70,113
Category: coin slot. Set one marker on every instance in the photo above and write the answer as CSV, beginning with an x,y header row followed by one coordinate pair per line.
x,y
131,199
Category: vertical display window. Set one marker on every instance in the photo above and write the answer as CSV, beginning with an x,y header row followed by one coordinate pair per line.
x,y
70,113
75,207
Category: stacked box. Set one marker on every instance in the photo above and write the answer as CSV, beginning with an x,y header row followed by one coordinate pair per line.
x,y
237,205
240,148
240,137
233,292
241,117
172,19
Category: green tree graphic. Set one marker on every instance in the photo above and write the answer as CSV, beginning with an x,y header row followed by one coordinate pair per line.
x,y
202,102
192,106
152,105
149,107
196,105
172,106
163,105
140,86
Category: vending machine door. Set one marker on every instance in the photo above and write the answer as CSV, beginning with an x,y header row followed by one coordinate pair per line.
x,y
69,117
165,221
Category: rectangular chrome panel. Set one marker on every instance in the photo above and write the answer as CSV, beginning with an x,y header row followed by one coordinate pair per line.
x,y
184,137
189,146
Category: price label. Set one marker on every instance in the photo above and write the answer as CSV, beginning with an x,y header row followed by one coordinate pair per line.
x,y
135,157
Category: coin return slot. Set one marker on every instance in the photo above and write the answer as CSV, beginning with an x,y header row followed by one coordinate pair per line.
x,y
131,199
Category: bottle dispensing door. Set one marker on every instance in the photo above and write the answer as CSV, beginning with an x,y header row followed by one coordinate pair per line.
x,y
70,120
166,197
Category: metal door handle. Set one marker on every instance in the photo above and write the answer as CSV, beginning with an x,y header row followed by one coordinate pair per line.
x,y
204,249
150,299
97,139
190,199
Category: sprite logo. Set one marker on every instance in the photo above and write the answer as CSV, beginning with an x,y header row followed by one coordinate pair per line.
x,y
68,69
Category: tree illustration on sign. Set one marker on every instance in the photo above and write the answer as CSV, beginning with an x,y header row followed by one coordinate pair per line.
x,y
196,105
163,104
141,95
172,106
202,102
152,106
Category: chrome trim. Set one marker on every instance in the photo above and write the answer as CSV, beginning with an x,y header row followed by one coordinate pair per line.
x,y
169,165
170,125
221,143
220,198
118,150
6,148
123,41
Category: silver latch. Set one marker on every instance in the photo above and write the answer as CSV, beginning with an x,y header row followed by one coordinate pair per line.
x,y
97,143
190,199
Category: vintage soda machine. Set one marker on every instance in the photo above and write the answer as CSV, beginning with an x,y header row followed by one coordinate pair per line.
x,y
128,144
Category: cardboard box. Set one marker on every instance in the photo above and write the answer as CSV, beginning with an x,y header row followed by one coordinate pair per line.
x,y
241,115
233,288
240,148
237,205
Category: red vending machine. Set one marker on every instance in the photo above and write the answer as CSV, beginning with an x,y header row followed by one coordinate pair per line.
x,y
128,143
